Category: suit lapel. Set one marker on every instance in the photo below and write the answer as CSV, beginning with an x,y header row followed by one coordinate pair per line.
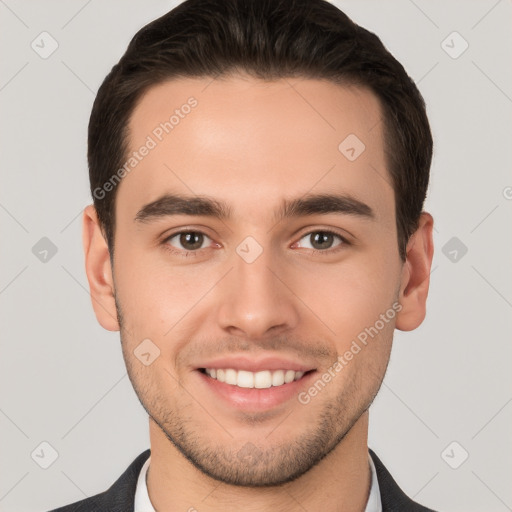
x,y
392,497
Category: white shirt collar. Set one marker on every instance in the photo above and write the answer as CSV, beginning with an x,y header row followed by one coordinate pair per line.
x,y
143,503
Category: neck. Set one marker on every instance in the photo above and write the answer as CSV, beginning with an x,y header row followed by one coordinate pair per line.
x,y
342,477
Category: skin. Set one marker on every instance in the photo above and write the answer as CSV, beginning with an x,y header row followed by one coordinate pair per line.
x,y
252,144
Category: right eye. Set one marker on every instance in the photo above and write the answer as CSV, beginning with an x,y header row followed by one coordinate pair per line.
x,y
187,241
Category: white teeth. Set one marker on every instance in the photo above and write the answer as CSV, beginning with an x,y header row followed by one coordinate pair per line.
x,y
260,380
230,376
278,378
245,379
289,376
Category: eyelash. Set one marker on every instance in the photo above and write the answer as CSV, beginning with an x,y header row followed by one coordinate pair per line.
x,y
186,254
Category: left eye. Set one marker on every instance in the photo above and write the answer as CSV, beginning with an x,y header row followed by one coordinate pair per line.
x,y
321,240
189,240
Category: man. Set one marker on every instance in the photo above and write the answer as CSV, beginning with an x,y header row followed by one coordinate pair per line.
x,y
258,169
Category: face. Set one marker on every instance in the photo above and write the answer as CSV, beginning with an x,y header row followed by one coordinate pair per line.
x,y
253,245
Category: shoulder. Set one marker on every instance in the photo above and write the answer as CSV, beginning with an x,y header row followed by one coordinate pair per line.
x,y
392,497
119,497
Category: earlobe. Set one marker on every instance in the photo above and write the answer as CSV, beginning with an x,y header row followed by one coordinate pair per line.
x,y
416,276
99,270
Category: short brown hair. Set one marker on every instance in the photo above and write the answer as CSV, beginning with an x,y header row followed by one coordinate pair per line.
x,y
269,40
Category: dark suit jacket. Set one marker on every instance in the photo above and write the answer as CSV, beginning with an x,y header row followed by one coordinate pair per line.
x,y
120,496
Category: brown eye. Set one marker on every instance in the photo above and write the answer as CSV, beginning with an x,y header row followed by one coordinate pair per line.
x,y
188,240
321,240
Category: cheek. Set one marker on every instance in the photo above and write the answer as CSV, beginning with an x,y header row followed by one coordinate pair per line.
x,y
350,296
155,295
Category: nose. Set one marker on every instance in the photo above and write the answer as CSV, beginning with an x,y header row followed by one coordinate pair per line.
x,y
255,299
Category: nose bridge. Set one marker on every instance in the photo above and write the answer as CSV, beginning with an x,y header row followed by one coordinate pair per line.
x,y
253,299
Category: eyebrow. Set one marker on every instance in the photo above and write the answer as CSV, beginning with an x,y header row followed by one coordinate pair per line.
x,y
312,204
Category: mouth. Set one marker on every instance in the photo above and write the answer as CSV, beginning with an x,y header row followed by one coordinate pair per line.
x,y
254,380
247,391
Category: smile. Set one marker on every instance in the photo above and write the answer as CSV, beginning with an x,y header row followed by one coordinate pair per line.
x,y
259,380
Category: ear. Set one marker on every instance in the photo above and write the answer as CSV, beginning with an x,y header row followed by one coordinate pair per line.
x,y
416,275
99,270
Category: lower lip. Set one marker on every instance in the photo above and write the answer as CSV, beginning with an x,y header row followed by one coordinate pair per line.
x,y
254,399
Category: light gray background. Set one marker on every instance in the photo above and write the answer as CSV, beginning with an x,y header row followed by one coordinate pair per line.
x,y
63,379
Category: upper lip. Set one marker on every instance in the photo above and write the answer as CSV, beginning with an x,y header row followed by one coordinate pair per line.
x,y
256,365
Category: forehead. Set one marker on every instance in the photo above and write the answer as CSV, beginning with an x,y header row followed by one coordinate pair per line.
x,y
251,142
